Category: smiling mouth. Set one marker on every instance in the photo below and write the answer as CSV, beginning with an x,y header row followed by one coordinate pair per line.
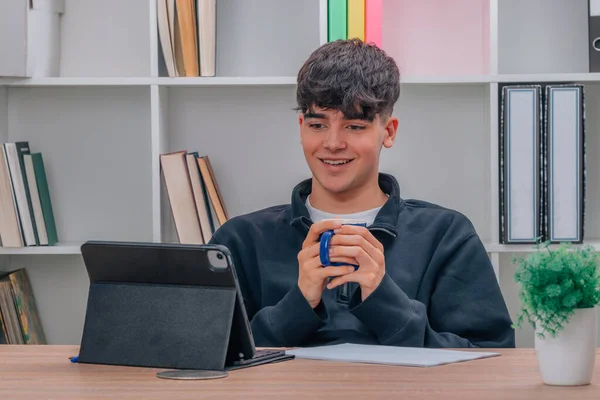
x,y
336,162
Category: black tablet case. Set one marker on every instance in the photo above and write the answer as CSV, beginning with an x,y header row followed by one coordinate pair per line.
x,y
140,314
153,325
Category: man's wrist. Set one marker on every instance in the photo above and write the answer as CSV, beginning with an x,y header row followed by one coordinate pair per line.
x,y
366,291
311,300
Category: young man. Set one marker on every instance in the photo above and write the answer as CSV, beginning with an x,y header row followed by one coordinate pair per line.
x,y
424,277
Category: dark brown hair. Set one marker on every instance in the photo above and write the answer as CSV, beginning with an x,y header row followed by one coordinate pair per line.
x,y
351,76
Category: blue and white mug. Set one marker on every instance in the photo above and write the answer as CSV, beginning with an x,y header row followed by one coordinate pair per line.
x,y
325,240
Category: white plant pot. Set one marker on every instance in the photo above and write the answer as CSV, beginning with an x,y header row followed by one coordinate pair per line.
x,y
569,358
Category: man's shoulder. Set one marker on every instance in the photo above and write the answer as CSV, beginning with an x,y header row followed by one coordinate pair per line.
x,y
424,212
262,219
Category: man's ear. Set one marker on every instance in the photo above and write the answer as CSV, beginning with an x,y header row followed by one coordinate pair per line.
x,y
300,122
391,128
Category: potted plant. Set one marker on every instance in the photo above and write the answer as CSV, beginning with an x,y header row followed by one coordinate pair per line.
x,y
560,289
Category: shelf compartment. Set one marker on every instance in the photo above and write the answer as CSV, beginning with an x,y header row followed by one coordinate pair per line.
x,y
437,37
435,124
256,155
541,36
262,37
108,38
97,155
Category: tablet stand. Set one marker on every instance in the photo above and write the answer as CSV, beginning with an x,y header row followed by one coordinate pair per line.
x,y
161,326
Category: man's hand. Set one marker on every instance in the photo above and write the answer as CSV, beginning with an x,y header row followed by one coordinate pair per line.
x,y
356,242
312,277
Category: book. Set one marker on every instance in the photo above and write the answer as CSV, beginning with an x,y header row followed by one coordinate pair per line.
x,y
177,43
10,227
20,191
186,17
34,197
171,12
39,171
212,187
24,300
181,198
207,30
200,197
22,150
10,316
19,309
164,35
3,332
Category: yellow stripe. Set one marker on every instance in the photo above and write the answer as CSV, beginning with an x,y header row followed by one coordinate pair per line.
x,y
356,19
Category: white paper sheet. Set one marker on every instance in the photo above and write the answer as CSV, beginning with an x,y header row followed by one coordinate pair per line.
x,y
392,355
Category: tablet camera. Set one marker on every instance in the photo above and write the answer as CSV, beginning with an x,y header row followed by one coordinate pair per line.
x,y
217,260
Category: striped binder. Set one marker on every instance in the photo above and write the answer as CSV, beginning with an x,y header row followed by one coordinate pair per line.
x,y
520,158
564,150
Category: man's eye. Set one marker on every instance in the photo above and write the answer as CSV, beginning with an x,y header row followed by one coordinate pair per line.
x,y
356,127
316,126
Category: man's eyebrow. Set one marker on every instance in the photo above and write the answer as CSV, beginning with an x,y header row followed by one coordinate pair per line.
x,y
314,115
361,119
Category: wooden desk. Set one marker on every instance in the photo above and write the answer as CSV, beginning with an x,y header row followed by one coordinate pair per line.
x,y
43,372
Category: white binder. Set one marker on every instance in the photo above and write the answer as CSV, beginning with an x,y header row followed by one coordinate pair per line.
x,y
520,156
30,38
594,35
565,173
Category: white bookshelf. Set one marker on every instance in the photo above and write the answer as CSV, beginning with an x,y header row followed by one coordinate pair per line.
x,y
103,122
74,248
481,80
68,248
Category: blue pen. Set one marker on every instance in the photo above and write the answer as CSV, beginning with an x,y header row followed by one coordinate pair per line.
x,y
74,359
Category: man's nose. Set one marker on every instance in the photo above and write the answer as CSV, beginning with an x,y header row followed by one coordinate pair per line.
x,y
334,140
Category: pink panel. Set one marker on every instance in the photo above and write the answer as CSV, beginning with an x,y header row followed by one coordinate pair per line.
x,y
373,11
437,37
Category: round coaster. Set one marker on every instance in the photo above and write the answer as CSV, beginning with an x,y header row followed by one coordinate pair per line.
x,y
191,374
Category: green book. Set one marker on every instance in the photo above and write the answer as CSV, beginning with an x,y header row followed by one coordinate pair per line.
x,y
337,24
42,185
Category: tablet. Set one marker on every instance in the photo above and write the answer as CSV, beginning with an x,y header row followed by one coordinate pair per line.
x,y
168,264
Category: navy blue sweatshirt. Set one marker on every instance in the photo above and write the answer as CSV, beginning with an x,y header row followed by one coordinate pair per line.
x,y
439,289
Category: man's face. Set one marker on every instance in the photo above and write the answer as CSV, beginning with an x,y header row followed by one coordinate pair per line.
x,y
343,154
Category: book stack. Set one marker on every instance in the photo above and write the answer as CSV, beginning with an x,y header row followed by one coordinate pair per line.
x,y
194,196
542,163
26,215
19,318
187,36
350,19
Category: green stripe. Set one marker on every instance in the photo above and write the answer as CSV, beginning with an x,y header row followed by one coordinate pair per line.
x,y
337,24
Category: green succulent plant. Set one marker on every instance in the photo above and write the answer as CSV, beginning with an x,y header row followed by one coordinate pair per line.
x,y
554,283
